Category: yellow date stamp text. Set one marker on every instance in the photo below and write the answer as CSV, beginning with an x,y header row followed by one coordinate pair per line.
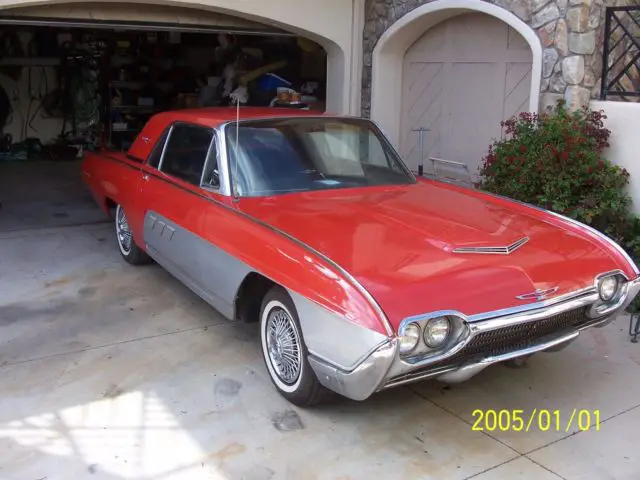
x,y
538,419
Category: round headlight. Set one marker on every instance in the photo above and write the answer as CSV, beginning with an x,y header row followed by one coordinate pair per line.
x,y
608,288
437,332
409,338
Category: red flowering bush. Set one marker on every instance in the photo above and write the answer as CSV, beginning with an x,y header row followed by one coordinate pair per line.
x,y
555,161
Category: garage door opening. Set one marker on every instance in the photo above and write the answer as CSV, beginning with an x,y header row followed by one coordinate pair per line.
x,y
70,84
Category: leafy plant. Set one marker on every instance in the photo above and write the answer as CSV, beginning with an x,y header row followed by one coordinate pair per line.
x,y
556,161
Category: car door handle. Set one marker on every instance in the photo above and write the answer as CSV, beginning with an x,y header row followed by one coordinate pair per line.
x,y
145,177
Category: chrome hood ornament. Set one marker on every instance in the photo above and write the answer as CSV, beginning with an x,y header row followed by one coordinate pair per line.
x,y
538,294
495,250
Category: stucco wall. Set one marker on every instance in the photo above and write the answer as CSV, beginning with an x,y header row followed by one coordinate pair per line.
x,y
623,119
570,32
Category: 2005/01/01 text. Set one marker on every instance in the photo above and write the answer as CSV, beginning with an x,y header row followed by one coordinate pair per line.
x,y
543,420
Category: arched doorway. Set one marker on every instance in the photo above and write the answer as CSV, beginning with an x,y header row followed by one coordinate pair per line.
x,y
460,79
456,67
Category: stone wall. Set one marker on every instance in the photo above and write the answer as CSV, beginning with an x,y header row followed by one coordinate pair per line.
x,y
571,33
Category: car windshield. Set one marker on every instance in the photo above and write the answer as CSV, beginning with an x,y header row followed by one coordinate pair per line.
x,y
278,156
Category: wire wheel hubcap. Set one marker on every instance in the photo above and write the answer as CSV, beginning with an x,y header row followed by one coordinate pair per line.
x,y
123,231
283,345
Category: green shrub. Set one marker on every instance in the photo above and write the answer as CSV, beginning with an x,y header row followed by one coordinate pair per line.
x,y
555,161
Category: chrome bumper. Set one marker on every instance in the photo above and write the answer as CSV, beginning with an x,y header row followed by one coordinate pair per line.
x,y
385,369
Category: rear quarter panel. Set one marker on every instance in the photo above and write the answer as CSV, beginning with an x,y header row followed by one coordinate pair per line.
x,y
113,177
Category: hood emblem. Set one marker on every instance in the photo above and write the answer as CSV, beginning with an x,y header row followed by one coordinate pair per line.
x,y
538,294
506,250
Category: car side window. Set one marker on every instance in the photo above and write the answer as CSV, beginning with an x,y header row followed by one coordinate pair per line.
x,y
186,152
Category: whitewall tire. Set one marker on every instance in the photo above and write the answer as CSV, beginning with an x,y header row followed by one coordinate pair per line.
x,y
126,243
284,351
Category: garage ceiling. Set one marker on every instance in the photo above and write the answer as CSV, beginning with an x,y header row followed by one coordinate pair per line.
x,y
127,15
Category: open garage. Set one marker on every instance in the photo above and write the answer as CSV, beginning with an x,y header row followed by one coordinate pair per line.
x,y
77,77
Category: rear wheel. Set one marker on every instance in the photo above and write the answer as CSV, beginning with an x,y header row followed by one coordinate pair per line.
x,y
285,353
127,245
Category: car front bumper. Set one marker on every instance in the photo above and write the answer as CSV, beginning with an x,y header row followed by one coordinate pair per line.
x,y
383,368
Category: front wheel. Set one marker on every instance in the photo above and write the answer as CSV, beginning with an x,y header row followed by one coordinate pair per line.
x,y
127,245
285,353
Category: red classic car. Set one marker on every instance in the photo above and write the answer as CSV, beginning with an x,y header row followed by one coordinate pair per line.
x,y
361,275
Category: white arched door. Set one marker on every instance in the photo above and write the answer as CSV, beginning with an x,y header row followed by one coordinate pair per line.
x,y
460,79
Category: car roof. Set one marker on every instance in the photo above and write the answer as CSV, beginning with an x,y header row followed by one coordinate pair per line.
x,y
214,116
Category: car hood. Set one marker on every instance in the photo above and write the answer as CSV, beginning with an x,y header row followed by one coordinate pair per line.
x,y
399,243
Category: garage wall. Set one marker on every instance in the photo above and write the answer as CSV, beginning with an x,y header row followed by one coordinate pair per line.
x,y
44,80
623,119
331,23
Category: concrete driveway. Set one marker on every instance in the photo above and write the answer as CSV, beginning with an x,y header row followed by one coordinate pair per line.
x,y
108,371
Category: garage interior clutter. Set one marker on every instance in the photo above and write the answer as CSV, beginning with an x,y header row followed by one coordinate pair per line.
x,y
67,89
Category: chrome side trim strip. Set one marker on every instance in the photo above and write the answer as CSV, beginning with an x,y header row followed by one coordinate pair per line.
x,y
506,250
576,223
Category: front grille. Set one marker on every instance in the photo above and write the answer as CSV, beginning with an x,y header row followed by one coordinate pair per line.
x,y
502,341
517,337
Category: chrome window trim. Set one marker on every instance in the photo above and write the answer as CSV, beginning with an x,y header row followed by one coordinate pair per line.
x,y
225,183
576,223
164,148
215,145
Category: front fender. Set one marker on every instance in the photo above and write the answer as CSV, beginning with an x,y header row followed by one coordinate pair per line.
x,y
332,338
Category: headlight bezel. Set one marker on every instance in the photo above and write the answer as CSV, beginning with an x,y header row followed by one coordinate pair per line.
x,y
430,323
403,333
603,307
604,282
459,330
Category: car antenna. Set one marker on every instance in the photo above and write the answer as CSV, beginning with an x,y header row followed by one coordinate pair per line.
x,y
235,150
